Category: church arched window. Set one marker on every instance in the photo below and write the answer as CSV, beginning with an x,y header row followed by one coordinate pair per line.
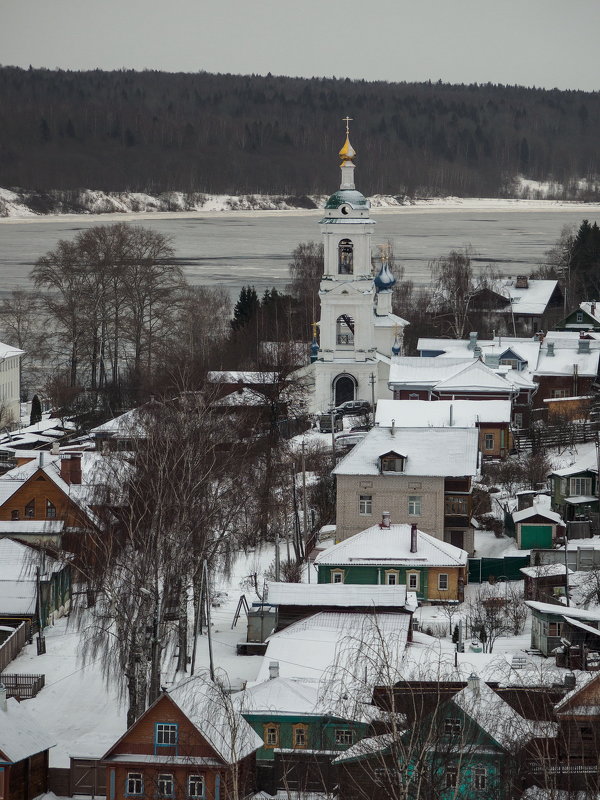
x,y
344,330
345,257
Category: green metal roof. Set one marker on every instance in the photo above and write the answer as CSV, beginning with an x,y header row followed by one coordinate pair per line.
x,y
350,196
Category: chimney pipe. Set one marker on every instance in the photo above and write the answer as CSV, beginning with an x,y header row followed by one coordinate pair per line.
x,y
550,349
413,538
273,670
451,415
41,459
385,520
392,431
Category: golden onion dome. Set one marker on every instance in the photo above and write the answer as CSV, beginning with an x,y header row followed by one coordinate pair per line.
x,y
347,152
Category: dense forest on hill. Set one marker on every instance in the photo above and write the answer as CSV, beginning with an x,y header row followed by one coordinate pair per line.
x,y
154,131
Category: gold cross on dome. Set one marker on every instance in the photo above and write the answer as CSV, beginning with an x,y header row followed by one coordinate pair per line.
x,y
347,120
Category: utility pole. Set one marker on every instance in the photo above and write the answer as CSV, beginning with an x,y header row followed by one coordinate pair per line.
x,y
305,510
207,595
333,433
372,382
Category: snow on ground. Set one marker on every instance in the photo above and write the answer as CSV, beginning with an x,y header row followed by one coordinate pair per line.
x,y
488,545
112,205
83,714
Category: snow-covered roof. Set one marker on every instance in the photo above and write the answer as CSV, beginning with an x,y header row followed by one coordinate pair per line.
x,y
536,510
21,735
458,374
582,681
209,709
344,595
526,348
564,611
443,452
18,586
308,648
494,715
391,546
389,321
245,397
243,376
532,299
578,624
366,747
545,570
7,351
280,696
129,424
567,357
423,413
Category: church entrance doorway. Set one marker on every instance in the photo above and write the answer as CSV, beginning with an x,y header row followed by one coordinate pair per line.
x,y
344,389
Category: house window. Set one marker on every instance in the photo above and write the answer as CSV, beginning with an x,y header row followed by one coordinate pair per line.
x,y
50,510
580,486
343,736
165,734
15,514
451,777
414,505
271,735
490,441
579,316
392,463
443,582
392,577
456,504
345,257
413,395
555,629
165,784
299,735
196,786
479,775
413,581
518,421
560,393
30,510
337,576
365,504
452,725
135,783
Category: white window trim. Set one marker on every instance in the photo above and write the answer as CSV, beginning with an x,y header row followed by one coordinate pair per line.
x,y
447,586
573,483
335,572
395,573
365,503
415,501
417,577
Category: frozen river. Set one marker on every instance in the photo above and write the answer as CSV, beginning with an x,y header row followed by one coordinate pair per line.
x,y
232,249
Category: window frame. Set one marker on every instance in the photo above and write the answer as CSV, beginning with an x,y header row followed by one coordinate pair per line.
x,y
489,437
417,581
135,777
451,777
343,737
195,779
447,577
165,778
365,505
30,509
583,482
415,505
161,728
345,255
337,573
479,778
300,728
392,573
267,728
452,726
50,509
556,627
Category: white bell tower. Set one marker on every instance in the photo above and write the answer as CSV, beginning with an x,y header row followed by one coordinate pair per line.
x,y
347,362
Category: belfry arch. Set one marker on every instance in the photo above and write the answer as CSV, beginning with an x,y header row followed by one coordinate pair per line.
x,y
345,257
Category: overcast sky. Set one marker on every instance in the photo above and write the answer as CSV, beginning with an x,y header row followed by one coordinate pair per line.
x,y
548,43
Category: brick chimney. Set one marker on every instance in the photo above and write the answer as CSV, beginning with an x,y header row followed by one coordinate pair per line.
x,y
385,520
70,468
413,538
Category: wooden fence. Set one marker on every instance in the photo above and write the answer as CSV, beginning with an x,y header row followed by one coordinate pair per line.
x,y
23,687
555,436
11,648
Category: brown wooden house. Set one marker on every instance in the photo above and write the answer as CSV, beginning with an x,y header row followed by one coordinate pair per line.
x,y
190,744
23,752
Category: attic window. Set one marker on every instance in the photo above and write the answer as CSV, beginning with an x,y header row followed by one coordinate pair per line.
x,y
30,510
452,725
392,462
40,478
165,734
579,316
50,510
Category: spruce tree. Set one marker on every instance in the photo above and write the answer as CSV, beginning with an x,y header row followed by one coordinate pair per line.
x,y
245,308
36,410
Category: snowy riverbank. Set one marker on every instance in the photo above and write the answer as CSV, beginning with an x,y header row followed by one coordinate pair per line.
x,y
21,204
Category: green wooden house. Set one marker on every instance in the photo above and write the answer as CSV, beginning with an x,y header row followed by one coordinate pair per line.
x,y
574,488
386,554
302,733
548,623
466,748
584,318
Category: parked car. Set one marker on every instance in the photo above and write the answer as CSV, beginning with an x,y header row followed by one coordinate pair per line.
x,y
325,421
354,407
